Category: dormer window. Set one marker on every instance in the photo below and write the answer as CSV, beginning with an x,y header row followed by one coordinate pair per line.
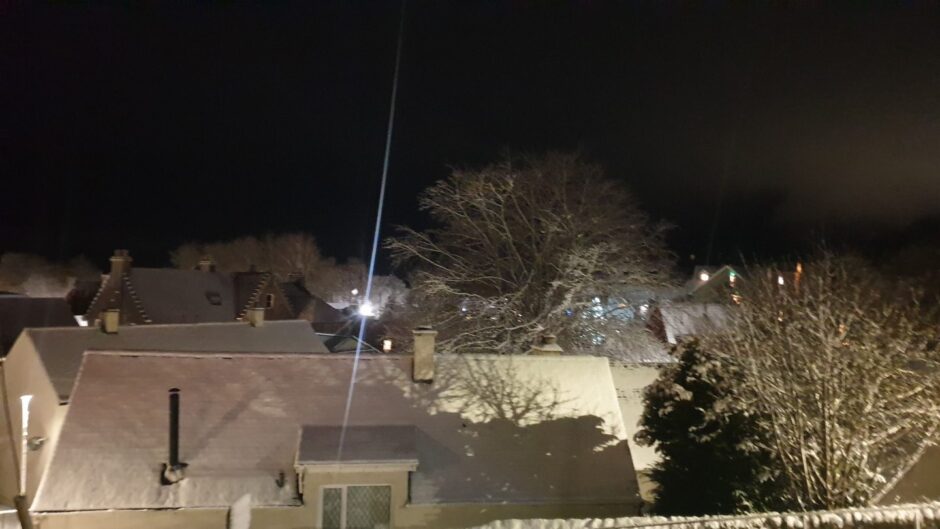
x,y
269,301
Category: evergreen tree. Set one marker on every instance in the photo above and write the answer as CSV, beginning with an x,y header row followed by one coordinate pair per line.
x,y
710,463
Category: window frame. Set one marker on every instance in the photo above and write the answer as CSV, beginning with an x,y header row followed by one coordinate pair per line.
x,y
344,488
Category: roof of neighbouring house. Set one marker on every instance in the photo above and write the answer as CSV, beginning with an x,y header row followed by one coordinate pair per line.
x,y
344,343
303,301
488,429
921,482
61,349
691,319
168,295
19,312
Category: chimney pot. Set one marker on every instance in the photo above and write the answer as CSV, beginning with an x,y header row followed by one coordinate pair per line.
x,y
206,264
546,345
423,369
110,320
255,316
120,263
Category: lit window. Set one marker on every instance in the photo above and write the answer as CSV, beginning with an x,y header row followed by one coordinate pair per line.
x,y
780,280
269,301
356,507
387,345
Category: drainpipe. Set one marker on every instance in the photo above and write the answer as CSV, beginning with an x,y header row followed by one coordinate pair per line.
x,y
22,507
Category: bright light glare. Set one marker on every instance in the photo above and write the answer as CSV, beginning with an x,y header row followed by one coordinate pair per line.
x,y
704,276
367,309
355,292
779,280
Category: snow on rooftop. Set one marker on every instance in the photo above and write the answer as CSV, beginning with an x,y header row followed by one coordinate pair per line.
x,y
920,515
488,429
361,444
61,348
692,319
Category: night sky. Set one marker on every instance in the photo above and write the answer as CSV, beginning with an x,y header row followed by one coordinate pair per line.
x,y
754,130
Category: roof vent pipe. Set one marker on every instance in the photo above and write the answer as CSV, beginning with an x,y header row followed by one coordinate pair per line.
x,y
173,468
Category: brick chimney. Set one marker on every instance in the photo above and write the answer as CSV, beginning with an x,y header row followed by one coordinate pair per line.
x,y
423,369
255,316
110,321
546,345
206,264
120,263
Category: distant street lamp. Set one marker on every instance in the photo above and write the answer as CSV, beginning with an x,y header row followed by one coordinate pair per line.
x,y
367,310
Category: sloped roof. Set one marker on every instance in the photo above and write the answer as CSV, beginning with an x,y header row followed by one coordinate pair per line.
x,y
489,429
61,349
344,343
168,295
922,481
302,300
691,319
643,348
20,312
361,444
248,285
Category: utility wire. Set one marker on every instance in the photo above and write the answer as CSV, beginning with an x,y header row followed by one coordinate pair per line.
x,y
375,236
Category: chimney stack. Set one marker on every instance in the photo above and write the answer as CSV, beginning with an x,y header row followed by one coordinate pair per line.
x,y
423,370
110,320
173,469
206,264
546,345
255,316
120,263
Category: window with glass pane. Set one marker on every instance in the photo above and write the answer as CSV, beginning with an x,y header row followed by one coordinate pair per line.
x,y
357,507
367,507
333,508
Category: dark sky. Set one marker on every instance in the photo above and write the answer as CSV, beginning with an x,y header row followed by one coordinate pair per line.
x,y
753,129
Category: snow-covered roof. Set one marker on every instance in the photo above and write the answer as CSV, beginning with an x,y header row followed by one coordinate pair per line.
x,y
60,349
361,445
878,517
691,319
489,428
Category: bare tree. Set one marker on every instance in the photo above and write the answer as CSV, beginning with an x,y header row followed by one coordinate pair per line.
x,y
525,247
36,276
284,255
293,255
840,368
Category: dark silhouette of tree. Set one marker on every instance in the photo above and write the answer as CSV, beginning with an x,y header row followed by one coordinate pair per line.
x,y
710,462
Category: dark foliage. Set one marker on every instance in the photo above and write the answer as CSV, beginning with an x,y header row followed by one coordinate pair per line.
x,y
709,462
